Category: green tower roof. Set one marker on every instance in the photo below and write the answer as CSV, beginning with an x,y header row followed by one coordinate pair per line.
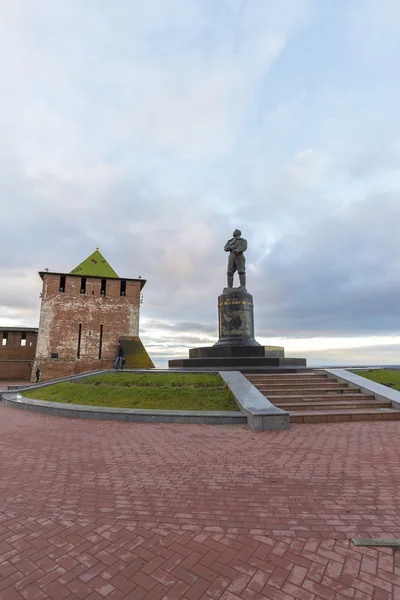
x,y
95,266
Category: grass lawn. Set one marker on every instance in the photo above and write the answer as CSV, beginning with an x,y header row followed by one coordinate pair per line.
x,y
386,377
175,391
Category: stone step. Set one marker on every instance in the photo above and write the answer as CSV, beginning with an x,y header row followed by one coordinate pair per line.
x,y
289,378
330,405
300,386
319,399
345,397
304,391
291,374
310,382
342,415
316,397
307,373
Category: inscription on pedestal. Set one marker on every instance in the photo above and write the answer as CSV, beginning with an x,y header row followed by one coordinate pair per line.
x,y
235,316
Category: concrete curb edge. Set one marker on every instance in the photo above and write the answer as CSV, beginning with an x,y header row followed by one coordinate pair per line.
x,y
255,409
381,392
262,415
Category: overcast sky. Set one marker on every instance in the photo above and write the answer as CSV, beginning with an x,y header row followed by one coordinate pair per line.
x,y
153,129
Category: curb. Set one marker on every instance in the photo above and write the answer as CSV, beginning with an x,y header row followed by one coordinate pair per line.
x,y
262,415
255,410
381,392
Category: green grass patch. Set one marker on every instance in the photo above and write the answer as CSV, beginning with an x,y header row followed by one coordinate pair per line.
x,y
156,380
385,377
175,391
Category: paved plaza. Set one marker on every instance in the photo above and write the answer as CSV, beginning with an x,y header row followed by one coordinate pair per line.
x,y
93,510
4,384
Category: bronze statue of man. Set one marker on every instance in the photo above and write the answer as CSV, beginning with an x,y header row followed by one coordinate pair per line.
x,y
236,261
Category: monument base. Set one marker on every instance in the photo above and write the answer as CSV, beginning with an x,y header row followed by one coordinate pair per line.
x,y
243,364
240,351
237,349
238,358
236,318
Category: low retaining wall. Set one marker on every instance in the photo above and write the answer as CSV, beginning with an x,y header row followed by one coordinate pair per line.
x,y
77,411
255,409
262,415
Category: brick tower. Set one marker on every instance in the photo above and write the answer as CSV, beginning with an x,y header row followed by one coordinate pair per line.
x,y
83,315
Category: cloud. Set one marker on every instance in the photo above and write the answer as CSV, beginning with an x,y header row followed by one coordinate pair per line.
x,y
385,355
155,129
177,77
375,29
187,327
337,275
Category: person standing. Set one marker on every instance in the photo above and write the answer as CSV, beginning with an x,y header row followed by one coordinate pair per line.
x,y
37,373
120,357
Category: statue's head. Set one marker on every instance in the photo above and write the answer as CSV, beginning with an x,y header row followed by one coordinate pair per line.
x,y
237,233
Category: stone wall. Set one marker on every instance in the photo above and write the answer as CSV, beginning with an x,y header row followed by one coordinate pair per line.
x,y
16,360
80,331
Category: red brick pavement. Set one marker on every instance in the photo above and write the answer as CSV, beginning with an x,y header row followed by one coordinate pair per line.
x,y
4,384
93,510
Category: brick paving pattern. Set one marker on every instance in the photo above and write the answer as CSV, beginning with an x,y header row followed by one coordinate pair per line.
x,y
4,384
93,510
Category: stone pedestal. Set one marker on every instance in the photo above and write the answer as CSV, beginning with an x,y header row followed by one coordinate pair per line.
x,y
237,348
236,318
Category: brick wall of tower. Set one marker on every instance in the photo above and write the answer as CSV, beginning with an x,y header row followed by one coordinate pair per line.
x,y
16,360
62,312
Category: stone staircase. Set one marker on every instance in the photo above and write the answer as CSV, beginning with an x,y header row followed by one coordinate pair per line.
x,y
313,397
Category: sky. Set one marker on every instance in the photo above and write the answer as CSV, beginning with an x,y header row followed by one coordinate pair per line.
x,y
154,129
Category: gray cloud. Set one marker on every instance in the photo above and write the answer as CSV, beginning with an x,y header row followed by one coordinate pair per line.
x,y
188,327
337,276
378,355
156,153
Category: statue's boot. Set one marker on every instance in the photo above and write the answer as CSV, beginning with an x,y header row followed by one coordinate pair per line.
x,y
242,279
230,281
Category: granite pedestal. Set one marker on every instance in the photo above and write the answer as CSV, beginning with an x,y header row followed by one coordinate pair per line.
x,y
237,348
236,318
